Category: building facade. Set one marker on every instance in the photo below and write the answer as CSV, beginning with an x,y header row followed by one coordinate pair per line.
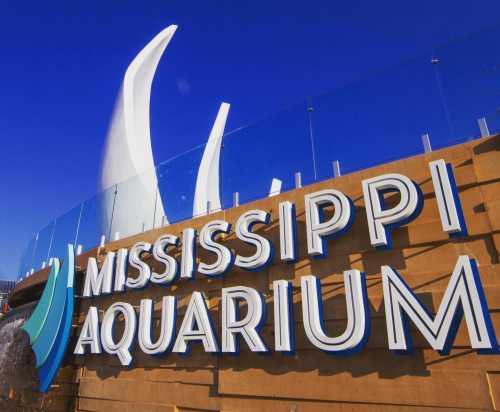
x,y
374,378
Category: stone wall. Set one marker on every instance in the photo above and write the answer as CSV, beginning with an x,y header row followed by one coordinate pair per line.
x,y
18,375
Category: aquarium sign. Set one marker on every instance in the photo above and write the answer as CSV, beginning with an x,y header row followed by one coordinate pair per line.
x,y
122,325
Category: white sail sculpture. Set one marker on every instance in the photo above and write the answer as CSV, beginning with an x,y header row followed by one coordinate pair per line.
x,y
136,204
207,196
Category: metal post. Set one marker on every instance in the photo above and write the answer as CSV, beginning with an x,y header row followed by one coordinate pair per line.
x,y
34,250
275,187
103,240
236,199
51,238
208,207
156,200
310,109
164,220
336,168
483,127
426,142
112,212
298,180
78,224
79,250
143,226
444,103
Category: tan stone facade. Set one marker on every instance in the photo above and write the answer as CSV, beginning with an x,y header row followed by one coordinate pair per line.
x,y
374,379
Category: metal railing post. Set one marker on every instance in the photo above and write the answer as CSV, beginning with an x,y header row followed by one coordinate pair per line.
x,y
51,239
483,127
426,142
34,250
112,212
298,180
78,225
336,168
310,110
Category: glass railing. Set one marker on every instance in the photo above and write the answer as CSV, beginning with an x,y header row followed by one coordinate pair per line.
x,y
445,97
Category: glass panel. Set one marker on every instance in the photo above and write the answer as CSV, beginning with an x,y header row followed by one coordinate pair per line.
x,y
469,72
94,223
274,148
177,182
23,263
133,208
26,263
493,122
43,245
378,120
65,233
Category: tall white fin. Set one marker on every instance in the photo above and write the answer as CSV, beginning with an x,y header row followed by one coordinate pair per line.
x,y
137,202
206,195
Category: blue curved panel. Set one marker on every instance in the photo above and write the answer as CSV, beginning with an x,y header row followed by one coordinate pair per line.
x,y
49,369
43,345
34,324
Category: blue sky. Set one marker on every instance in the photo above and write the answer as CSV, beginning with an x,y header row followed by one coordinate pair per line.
x,y
61,64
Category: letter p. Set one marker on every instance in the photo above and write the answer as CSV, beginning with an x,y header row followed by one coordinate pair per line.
x,y
382,220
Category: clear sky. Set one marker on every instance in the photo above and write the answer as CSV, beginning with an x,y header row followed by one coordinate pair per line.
x,y
62,62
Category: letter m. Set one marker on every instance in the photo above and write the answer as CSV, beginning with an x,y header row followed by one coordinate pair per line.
x,y
99,281
463,296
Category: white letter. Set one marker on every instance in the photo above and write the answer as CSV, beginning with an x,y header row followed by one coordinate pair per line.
x,y
89,334
160,254
135,261
122,348
196,325
340,222
288,232
283,316
464,291
121,270
264,252
450,209
188,253
167,325
224,256
358,322
97,282
246,327
381,221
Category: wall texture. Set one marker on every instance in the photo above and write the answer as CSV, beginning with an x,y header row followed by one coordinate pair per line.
x,y
374,379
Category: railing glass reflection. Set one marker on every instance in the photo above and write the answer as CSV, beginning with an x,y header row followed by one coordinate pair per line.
x,y
444,97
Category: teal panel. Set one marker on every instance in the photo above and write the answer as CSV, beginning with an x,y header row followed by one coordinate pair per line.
x,y
49,332
48,371
34,324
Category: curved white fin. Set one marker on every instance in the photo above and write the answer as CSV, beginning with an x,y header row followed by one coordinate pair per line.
x,y
206,195
137,202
